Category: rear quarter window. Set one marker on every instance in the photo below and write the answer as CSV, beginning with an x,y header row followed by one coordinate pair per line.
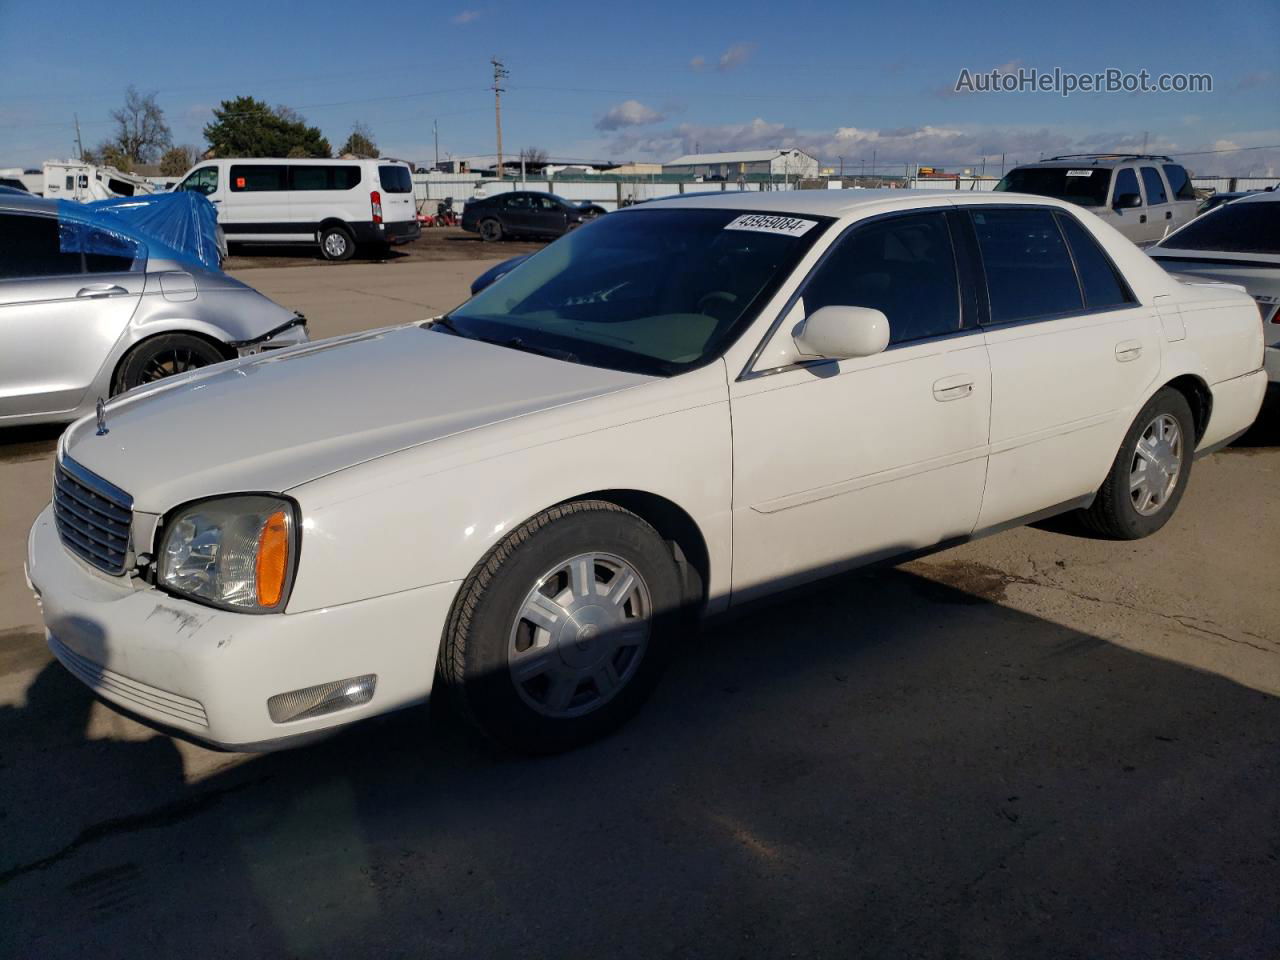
x,y
1029,272
1240,227
1179,182
395,179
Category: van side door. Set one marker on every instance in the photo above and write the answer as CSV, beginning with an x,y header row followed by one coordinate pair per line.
x,y
257,206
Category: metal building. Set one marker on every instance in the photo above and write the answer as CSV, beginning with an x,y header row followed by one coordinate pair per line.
x,y
778,162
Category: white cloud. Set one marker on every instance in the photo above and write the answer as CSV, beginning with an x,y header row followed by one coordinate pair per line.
x,y
465,16
629,113
734,57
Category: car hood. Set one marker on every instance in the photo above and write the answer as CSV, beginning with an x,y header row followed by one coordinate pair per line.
x,y
274,421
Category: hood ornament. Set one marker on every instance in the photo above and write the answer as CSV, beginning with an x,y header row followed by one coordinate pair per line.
x,y
102,418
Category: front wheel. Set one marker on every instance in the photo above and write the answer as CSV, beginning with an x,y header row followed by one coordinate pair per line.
x,y
562,631
490,230
164,356
1150,473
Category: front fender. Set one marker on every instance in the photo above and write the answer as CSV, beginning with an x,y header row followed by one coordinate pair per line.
x,y
429,514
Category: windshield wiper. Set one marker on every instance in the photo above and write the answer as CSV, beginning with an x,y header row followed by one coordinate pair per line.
x,y
515,343
448,324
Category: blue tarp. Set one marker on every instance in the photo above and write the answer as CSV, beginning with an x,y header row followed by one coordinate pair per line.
x,y
178,226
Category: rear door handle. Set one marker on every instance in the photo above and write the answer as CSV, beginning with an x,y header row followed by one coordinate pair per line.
x,y
1142,218
1127,350
1168,214
953,388
100,290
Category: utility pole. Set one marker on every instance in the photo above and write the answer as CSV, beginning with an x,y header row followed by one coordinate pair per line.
x,y
1002,166
873,164
79,145
1144,144
435,133
500,73
842,168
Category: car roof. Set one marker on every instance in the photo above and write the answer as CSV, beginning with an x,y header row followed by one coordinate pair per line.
x,y
1262,196
841,203
28,203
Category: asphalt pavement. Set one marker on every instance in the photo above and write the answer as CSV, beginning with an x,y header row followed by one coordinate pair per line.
x,y
1035,745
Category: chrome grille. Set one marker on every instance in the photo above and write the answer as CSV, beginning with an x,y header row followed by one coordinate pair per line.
x,y
93,516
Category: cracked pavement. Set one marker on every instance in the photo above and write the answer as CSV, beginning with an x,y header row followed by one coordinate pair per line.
x,y
1035,744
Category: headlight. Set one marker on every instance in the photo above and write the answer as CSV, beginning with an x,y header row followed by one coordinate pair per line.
x,y
234,552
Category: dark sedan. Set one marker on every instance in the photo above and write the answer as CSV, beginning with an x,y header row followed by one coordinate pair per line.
x,y
524,213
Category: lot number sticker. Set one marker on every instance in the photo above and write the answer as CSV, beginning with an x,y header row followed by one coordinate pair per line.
x,y
768,223
1079,173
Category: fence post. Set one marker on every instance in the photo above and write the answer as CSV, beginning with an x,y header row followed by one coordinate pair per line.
x,y
618,185
681,186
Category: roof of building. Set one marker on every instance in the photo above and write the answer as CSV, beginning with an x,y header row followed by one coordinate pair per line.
x,y
738,156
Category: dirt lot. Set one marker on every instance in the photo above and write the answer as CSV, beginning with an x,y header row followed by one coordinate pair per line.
x,y
436,243
1035,745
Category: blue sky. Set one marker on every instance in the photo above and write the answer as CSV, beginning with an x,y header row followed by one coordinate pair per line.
x,y
651,81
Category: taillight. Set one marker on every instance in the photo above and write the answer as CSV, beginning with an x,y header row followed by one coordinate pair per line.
x,y
375,201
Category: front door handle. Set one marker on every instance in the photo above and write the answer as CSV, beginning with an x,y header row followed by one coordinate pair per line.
x,y
1127,350
953,388
1142,218
1168,214
100,290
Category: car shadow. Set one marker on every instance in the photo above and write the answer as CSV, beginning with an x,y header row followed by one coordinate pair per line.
x,y
881,766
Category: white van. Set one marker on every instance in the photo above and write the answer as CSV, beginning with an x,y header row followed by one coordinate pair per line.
x,y
335,203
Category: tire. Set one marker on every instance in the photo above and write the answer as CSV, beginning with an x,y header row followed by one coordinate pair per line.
x,y
532,687
1136,499
163,356
336,243
490,230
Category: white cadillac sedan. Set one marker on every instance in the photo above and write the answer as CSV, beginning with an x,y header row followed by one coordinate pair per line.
x,y
675,410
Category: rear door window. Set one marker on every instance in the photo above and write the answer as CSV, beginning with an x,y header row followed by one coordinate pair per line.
x,y
257,178
31,247
902,266
1179,183
1154,186
395,178
1029,271
1102,284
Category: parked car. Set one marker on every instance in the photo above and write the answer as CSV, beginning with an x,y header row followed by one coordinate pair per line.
x,y
1215,200
494,272
336,204
678,409
1238,242
1144,197
525,213
90,308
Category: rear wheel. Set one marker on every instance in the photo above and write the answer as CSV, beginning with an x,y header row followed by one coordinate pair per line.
x,y
562,631
164,356
490,230
1150,473
336,243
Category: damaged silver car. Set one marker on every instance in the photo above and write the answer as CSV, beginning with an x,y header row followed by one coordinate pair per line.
x,y
91,306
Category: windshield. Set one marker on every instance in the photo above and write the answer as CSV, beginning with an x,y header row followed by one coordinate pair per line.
x,y
1086,186
1241,227
651,291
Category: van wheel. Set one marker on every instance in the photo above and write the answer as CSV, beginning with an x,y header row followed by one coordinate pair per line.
x,y
562,630
336,243
490,230
163,356
1150,473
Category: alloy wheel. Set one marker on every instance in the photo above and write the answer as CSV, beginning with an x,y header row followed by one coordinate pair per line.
x,y
1156,466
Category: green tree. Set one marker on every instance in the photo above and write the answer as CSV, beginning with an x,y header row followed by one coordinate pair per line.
x,y
245,127
178,160
360,142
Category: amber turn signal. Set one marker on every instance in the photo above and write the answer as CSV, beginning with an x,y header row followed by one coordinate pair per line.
x,y
273,559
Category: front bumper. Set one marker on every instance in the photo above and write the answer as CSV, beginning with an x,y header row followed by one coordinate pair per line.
x,y
208,673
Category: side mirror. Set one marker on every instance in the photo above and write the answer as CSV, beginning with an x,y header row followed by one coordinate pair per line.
x,y
839,333
1126,201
